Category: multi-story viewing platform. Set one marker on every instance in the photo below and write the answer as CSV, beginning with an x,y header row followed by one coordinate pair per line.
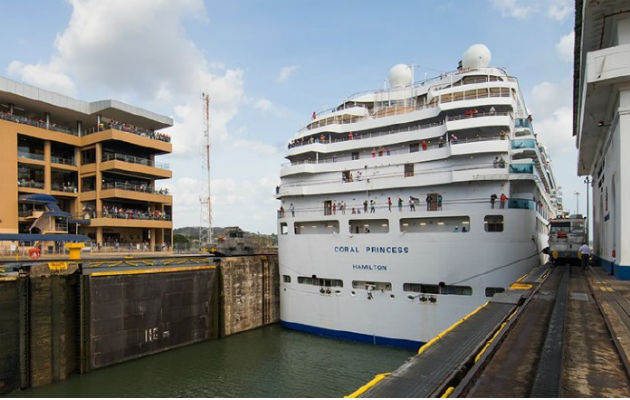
x,y
99,160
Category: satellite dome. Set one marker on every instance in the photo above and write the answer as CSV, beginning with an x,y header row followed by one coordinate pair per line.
x,y
400,76
477,56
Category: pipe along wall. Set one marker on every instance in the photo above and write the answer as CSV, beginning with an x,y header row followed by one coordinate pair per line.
x,y
63,317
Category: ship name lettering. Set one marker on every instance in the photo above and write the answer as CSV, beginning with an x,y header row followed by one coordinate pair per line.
x,y
387,250
346,249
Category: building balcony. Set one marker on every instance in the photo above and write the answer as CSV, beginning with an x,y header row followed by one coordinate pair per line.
x,y
124,162
129,219
134,192
147,140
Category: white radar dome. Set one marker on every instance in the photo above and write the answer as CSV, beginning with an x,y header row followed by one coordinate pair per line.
x,y
400,76
477,56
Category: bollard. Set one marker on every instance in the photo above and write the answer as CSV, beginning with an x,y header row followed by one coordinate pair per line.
x,y
74,250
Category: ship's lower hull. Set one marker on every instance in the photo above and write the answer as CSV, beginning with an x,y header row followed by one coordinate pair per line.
x,y
380,300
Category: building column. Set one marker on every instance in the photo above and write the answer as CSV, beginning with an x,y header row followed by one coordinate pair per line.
x,y
79,128
152,239
98,178
47,115
99,235
47,175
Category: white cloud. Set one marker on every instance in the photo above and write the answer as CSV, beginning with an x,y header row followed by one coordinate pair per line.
x,y
141,52
286,72
513,8
49,76
523,9
260,148
560,9
263,104
553,116
564,47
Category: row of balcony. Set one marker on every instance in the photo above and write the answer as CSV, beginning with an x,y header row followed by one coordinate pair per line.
x,y
106,157
409,106
100,127
336,138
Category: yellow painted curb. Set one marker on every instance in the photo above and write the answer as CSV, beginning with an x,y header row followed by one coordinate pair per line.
x,y
152,270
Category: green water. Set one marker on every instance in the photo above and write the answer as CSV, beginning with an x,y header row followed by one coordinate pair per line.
x,y
267,362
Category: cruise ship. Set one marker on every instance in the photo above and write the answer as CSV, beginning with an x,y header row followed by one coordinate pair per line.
x,y
404,209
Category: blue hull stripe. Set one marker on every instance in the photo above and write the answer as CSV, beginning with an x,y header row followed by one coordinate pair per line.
x,y
359,337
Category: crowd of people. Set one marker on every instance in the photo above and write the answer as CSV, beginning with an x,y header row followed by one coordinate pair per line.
x,y
121,126
33,122
117,211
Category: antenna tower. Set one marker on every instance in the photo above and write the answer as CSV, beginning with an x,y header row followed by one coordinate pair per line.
x,y
205,228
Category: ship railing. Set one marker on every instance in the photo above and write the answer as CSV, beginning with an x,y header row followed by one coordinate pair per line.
x,y
358,136
478,115
391,175
416,204
431,145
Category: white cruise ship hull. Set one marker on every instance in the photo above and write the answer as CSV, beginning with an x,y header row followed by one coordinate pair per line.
x,y
476,258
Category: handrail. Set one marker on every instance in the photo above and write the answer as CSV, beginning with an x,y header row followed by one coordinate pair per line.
x,y
29,155
361,208
145,188
62,160
384,132
125,214
430,146
37,123
30,183
107,156
130,129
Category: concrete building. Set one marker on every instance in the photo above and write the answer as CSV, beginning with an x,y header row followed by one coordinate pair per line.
x,y
601,105
97,159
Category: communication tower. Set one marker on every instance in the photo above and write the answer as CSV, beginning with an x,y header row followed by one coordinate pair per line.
x,y
205,228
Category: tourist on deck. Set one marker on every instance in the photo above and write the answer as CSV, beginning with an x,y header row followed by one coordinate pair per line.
x,y
292,209
503,199
365,204
389,204
493,198
412,204
372,206
400,204
424,145
334,208
428,200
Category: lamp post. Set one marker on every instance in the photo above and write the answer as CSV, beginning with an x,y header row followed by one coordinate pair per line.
x,y
577,202
587,181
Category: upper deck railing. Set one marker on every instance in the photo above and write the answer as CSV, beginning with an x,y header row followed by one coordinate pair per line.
x,y
440,85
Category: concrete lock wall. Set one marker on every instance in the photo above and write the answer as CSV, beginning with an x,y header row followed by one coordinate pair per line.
x,y
56,321
250,294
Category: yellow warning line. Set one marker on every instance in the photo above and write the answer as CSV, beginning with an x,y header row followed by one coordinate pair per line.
x,y
364,388
8,278
438,337
522,277
152,270
447,392
521,286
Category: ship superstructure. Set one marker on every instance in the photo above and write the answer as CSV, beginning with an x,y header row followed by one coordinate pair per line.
x,y
404,209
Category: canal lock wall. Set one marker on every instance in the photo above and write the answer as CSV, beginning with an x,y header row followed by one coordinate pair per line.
x,y
85,315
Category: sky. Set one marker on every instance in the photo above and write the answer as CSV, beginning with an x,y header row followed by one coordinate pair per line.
x,y
267,65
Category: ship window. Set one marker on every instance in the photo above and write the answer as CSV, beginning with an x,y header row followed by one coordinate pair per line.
x,y
491,291
438,224
284,228
286,279
316,227
369,226
371,285
440,288
408,169
305,280
355,155
493,223
414,147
